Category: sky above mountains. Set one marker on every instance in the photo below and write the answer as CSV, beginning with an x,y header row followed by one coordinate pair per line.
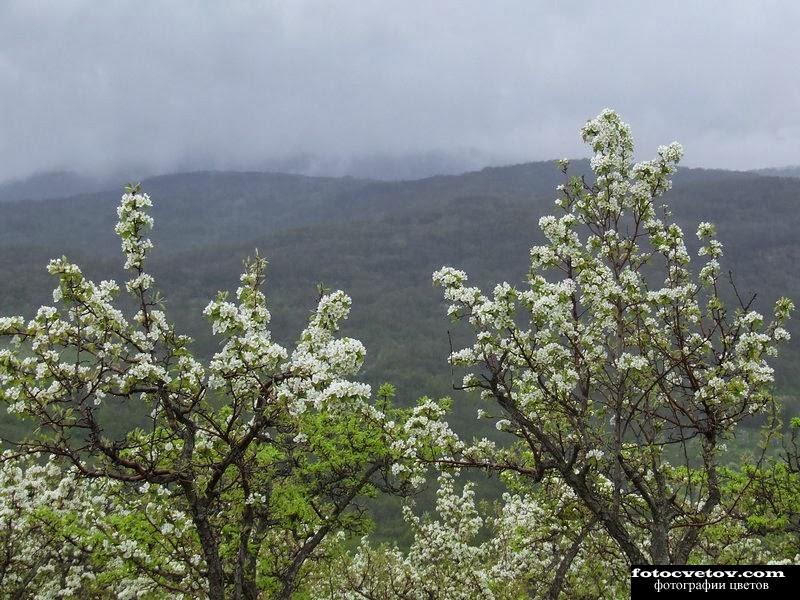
x,y
329,87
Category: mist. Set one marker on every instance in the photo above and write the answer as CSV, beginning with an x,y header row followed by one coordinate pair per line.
x,y
378,89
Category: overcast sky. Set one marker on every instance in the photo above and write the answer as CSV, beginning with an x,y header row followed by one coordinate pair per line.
x,y
102,86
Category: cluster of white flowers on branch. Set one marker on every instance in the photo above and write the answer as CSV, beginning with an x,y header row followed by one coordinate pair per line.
x,y
604,380
65,536
598,373
533,545
251,463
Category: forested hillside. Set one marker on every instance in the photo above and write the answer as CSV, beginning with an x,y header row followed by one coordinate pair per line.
x,y
379,241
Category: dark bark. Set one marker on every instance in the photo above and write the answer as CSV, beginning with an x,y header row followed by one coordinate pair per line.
x,y
557,585
215,574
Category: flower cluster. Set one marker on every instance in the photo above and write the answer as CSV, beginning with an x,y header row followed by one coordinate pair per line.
x,y
263,446
460,553
591,354
66,536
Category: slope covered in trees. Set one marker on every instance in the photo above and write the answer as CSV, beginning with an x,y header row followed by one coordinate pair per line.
x,y
380,241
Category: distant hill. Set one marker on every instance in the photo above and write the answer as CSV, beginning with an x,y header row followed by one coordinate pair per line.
x,y
379,241
56,184
61,184
792,171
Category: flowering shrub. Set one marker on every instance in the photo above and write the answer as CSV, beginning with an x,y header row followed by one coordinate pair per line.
x,y
249,465
614,362
67,536
463,554
618,376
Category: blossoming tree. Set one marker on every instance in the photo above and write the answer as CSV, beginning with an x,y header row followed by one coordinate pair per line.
x,y
461,553
616,368
65,536
249,464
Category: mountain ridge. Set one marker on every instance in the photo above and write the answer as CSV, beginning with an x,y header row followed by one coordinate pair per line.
x,y
63,184
379,241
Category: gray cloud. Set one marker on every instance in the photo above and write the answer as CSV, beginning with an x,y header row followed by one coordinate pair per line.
x,y
102,86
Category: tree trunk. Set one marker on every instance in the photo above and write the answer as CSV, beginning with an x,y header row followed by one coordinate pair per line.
x,y
245,575
659,542
215,574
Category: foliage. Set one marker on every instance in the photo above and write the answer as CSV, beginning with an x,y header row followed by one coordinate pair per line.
x,y
262,453
533,544
766,521
617,376
602,370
